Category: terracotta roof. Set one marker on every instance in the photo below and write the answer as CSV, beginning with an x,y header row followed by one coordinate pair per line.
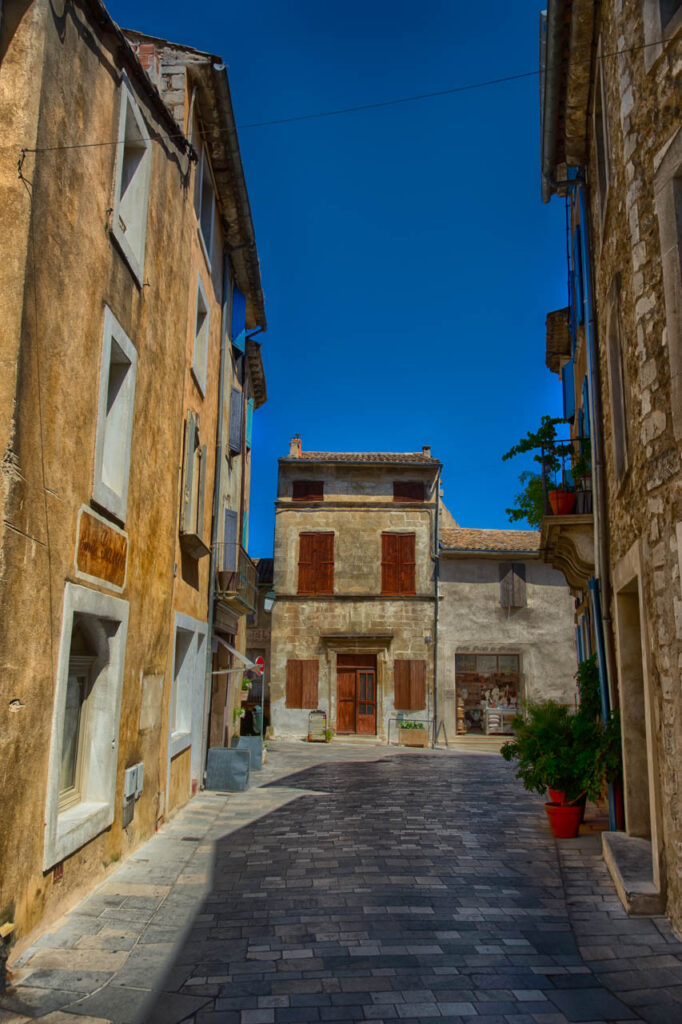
x,y
490,540
371,457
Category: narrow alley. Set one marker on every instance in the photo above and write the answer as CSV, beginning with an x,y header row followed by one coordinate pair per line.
x,y
356,883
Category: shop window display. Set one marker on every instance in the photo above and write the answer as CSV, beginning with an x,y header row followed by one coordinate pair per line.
x,y
488,692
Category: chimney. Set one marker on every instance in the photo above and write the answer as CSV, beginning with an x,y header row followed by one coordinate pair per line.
x,y
295,447
426,450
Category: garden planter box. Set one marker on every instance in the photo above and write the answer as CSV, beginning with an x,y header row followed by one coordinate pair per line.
x,y
413,737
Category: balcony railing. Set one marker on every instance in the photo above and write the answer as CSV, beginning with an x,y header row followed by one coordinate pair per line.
x,y
566,491
235,577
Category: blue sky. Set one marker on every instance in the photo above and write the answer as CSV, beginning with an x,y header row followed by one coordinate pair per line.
x,y
408,262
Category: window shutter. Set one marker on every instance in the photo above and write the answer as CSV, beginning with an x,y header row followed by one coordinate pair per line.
x,y
407,564
309,677
324,563
567,381
408,490
519,584
401,683
389,563
306,557
231,523
294,684
249,421
238,317
188,473
245,529
417,685
235,441
199,523
307,490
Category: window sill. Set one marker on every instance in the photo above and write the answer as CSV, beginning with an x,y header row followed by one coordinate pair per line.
x,y
193,545
126,251
201,385
77,826
179,741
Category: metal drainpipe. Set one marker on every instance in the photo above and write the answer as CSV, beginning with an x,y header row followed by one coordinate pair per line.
x,y
436,573
217,491
600,589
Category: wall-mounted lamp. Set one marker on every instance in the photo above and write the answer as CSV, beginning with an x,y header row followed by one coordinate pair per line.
x,y
269,601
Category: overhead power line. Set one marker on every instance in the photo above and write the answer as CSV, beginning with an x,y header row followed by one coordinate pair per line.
x,y
469,87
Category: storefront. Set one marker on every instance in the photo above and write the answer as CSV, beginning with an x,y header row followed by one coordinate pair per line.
x,y
488,692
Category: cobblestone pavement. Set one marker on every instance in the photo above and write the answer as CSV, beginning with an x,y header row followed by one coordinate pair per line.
x,y
368,886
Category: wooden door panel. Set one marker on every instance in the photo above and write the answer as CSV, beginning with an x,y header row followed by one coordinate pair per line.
x,y
345,700
366,717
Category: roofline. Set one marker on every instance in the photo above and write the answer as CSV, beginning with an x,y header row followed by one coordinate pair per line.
x,y
490,551
294,459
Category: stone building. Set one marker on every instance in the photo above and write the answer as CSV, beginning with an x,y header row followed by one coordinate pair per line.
x,y
505,629
129,278
369,607
353,623
612,148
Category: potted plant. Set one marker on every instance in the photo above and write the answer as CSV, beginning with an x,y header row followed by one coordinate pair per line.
x,y
412,734
551,458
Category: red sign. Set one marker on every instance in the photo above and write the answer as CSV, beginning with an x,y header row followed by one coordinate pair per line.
x,y
260,664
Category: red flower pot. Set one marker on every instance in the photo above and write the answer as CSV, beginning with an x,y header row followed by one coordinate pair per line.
x,y
564,820
556,796
562,502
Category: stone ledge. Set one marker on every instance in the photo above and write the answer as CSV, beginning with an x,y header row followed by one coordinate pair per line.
x,y
628,859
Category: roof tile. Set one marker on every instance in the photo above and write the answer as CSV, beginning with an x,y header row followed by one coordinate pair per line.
x,y
371,457
490,540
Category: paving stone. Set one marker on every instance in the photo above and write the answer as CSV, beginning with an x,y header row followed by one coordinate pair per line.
x,y
591,1005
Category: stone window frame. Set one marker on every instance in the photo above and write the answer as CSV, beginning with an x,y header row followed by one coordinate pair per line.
x,y
133,251
203,168
202,337
654,33
668,205
618,401
69,829
192,694
108,438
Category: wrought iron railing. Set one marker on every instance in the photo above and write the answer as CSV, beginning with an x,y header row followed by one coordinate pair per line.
x,y
235,575
567,477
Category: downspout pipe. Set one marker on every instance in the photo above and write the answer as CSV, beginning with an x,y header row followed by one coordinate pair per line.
x,y
217,491
436,610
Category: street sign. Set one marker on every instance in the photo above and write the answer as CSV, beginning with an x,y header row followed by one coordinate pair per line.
x,y
260,664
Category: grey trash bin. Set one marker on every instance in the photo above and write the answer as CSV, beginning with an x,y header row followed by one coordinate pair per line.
x,y
228,769
254,745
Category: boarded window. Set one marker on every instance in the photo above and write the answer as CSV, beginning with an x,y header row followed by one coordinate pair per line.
x,y
397,563
236,421
410,685
512,585
308,490
316,563
302,679
408,490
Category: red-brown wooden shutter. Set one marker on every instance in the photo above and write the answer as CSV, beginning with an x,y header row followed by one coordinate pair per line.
x,y
390,553
417,685
294,684
306,563
408,490
407,564
324,563
309,676
401,684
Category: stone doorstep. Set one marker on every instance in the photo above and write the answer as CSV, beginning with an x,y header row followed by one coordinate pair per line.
x,y
628,859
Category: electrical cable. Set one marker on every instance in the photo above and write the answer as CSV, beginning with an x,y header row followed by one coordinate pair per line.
x,y
470,87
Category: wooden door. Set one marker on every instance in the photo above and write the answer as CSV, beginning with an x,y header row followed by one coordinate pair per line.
x,y
345,700
356,694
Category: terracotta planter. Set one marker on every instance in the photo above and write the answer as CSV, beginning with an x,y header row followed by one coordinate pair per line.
x,y
562,502
413,737
564,819
556,796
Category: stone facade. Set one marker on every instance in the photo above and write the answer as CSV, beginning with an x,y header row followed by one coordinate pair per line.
x,y
626,359
106,496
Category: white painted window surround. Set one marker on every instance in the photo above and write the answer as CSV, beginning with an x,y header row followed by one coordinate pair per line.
x,y
204,203
106,619
117,378
131,191
188,692
202,322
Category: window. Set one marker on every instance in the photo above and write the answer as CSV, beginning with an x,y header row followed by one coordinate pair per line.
x,y
188,675
410,685
201,337
616,383
204,203
193,483
668,201
397,563
236,431
662,18
308,490
486,679
118,372
85,726
301,691
249,422
230,546
316,563
408,490
238,318
131,192
601,138
513,585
